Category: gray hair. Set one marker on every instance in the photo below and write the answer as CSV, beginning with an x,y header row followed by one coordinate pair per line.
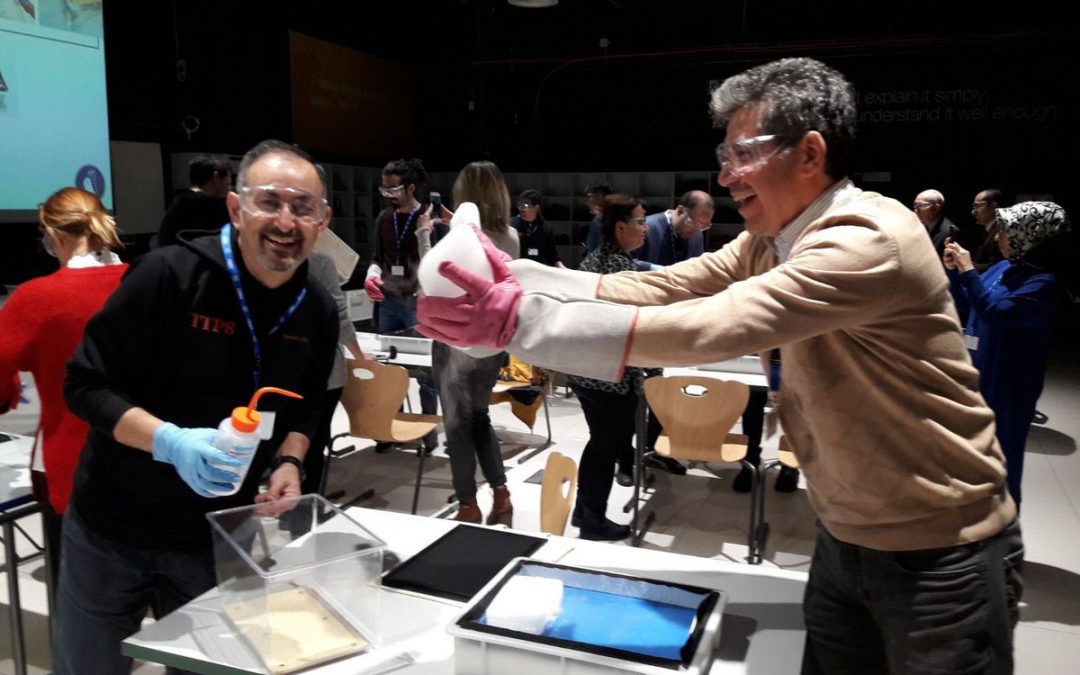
x,y
795,95
275,147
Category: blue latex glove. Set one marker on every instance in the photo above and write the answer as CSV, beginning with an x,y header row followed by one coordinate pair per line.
x,y
207,470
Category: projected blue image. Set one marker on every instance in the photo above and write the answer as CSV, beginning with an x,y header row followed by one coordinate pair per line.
x,y
53,107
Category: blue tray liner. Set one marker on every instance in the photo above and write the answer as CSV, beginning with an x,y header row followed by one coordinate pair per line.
x,y
633,615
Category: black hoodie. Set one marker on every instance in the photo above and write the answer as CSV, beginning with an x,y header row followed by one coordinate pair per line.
x,y
173,341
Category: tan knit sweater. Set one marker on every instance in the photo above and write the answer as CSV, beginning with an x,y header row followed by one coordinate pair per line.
x,y
879,396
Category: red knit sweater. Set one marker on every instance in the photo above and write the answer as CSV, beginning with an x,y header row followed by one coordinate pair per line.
x,y
40,326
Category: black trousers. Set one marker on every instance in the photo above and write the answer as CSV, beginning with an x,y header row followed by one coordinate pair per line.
x,y
610,418
315,459
947,610
753,423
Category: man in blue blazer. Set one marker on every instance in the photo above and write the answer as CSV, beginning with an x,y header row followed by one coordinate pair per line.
x,y
677,234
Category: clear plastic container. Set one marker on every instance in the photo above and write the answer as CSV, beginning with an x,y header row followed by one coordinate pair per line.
x,y
300,580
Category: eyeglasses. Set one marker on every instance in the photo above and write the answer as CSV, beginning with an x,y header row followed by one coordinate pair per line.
x,y
695,223
390,191
919,206
740,157
526,205
979,205
268,200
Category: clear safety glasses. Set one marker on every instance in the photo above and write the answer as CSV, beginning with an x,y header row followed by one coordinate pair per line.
x,y
739,157
269,200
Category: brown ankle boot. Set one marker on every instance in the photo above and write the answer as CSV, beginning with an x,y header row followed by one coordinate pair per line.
x,y
469,512
502,511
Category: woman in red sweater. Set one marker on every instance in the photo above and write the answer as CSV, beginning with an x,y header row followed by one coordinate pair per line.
x,y
40,326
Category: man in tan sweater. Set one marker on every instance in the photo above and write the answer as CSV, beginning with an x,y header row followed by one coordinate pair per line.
x,y
917,563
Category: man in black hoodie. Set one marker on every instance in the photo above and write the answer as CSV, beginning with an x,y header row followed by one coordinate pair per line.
x,y
190,333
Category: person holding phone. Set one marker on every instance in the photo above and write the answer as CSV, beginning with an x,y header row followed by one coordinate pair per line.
x,y
1011,309
391,277
465,382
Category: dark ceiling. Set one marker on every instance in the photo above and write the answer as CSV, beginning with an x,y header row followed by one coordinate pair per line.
x,y
569,86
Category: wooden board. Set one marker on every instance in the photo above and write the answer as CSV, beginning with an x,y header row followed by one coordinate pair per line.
x,y
303,631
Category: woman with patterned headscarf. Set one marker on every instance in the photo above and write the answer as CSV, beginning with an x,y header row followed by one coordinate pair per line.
x,y
1011,310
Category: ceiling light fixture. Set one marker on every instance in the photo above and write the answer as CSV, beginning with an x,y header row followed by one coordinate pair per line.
x,y
533,4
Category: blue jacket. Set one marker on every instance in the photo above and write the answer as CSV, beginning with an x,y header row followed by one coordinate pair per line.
x,y
1011,312
663,247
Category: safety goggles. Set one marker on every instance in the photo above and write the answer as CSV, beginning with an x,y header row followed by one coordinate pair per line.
x,y
391,191
269,200
739,157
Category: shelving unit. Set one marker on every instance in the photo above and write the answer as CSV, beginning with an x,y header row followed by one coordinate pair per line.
x,y
355,203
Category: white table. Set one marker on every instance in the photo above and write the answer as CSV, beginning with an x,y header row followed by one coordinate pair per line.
x,y
762,629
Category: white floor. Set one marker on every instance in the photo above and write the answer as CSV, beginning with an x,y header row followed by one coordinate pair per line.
x,y
698,514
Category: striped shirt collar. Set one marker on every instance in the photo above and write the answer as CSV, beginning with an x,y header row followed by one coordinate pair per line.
x,y
834,194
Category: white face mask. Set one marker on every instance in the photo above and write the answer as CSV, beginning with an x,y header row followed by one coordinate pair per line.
x,y
47,244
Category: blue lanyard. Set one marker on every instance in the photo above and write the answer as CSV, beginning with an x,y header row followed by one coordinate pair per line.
x,y
234,275
400,233
533,227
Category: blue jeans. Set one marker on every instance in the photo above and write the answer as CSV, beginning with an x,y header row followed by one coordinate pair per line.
x,y
105,590
942,611
398,313
465,387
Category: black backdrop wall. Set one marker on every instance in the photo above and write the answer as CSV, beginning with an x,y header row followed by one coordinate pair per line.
x,y
953,97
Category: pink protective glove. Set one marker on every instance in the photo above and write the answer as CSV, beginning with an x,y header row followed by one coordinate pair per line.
x,y
373,288
485,316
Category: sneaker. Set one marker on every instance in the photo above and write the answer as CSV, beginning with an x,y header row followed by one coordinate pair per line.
x,y
383,447
672,466
744,482
787,480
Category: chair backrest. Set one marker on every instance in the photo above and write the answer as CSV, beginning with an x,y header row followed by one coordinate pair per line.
x,y
697,413
372,396
560,471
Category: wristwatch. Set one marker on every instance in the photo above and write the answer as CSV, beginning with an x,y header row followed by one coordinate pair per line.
x,y
288,459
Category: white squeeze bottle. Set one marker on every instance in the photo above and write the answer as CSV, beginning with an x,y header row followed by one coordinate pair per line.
x,y
462,247
238,434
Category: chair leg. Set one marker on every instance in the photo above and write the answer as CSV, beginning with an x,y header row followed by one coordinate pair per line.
x,y
419,477
758,529
547,418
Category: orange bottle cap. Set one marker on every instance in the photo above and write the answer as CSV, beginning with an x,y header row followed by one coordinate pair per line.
x,y
245,419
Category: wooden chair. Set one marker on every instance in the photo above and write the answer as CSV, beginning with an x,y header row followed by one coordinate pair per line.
x,y
697,414
560,471
539,381
372,396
